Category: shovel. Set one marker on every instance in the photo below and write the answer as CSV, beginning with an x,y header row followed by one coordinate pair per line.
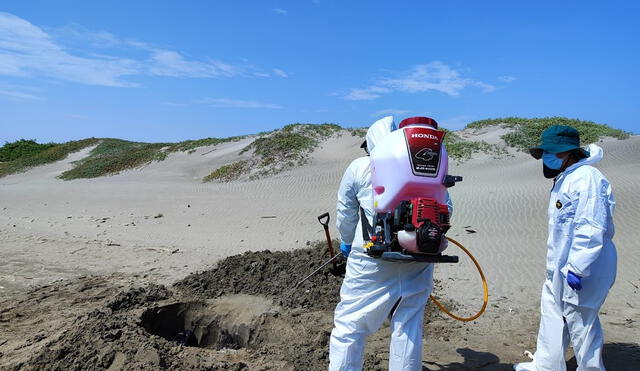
x,y
324,220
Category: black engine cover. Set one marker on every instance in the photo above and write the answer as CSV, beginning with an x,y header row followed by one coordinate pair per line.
x,y
429,237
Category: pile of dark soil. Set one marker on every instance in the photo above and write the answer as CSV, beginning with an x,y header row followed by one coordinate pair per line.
x,y
274,275
244,313
115,340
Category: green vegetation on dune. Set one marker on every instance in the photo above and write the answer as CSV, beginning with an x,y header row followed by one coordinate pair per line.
x,y
112,156
279,150
22,148
191,145
462,150
526,132
40,156
358,132
271,152
227,173
291,144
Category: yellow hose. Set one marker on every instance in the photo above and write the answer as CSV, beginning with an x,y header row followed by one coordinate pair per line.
x,y
484,284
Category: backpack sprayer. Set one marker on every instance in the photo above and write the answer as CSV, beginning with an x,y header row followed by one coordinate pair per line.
x,y
409,177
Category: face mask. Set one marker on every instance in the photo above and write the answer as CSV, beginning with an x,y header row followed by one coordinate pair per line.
x,y
549,173
551,161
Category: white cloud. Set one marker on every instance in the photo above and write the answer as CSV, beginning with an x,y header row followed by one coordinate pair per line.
x,y
75,54
434,76
173,104
19,92
170,63
487,88
390,111
280,11
19,95
77,116
507,78
279,72
370,93
236,103
26,50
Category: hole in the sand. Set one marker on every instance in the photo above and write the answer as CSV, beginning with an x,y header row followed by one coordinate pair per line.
x,y
196,324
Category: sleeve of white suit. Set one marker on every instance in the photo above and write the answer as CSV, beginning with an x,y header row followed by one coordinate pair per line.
x,y
589,223
347,207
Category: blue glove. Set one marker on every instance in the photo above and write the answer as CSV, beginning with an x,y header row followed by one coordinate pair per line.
x,y
574,281
345,249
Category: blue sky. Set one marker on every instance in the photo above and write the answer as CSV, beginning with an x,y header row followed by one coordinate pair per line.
x,y
173,70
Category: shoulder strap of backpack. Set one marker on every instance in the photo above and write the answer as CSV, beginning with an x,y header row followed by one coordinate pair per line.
x,y
366,227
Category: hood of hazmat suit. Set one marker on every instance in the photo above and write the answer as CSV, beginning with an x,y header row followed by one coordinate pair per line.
x,y
374,290
581,229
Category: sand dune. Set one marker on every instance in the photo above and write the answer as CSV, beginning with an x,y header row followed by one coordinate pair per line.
x,y
162,223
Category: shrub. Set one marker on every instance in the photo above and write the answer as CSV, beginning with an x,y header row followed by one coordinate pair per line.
x,y
112,156
358,132
190,145
22,148
526,133
462,150
53,153
227,173
289,146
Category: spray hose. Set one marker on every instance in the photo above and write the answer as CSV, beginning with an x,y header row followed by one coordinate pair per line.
x,y
484,284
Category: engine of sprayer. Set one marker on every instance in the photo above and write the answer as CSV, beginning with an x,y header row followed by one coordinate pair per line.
x,y
410,181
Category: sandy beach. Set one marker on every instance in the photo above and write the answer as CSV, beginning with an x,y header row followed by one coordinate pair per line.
x,y
69,248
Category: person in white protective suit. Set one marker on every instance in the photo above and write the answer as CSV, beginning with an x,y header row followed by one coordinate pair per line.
x,y
374,290
581,257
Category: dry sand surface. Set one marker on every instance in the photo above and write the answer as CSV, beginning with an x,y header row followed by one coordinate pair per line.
x,y
88,267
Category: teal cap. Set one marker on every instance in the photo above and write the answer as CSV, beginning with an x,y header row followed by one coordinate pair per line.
x,y
556,139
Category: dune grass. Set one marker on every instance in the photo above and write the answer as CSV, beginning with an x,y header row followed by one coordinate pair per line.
x,y
462,150
22,148
272,152
112,156
289,146
37,156
358,132
229,172
191,145
526,132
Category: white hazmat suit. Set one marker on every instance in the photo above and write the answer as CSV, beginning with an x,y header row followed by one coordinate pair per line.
x,y
373,287
580,232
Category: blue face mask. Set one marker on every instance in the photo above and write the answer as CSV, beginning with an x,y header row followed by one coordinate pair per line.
x,y
552,161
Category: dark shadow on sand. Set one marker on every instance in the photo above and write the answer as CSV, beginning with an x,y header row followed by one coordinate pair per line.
x,y
617,357
473,360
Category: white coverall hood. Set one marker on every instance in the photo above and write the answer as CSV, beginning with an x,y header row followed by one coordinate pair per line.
x,y
580,212
379,130
595,155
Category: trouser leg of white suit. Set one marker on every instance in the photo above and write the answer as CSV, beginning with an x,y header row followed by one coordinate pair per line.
x,y
580,324
405,351
553,338
586,337
352,326
365,302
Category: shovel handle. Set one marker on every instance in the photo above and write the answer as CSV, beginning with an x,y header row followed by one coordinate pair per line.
x,y
325,223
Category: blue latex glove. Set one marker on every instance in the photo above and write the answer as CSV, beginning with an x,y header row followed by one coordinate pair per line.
x,y
574,281
345,249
